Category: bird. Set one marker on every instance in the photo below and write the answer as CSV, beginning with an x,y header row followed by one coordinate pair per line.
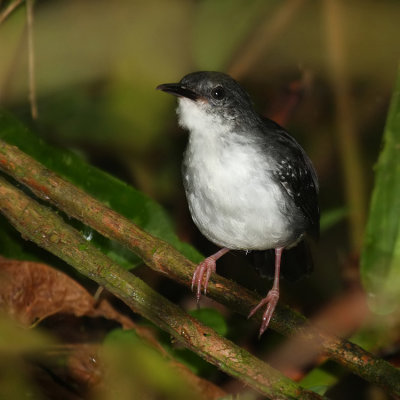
x,y
249,185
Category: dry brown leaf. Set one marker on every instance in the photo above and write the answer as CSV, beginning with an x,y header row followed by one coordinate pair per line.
x,y
31,291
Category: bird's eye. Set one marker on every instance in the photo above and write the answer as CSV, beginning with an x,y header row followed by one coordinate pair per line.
x,y
218,93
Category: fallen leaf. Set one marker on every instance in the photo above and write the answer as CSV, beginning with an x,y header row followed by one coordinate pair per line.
x,y
31,291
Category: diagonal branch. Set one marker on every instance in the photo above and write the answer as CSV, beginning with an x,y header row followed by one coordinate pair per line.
x,y
161,257
11,7
44,227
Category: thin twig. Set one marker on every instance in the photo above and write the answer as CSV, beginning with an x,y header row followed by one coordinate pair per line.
x,y
31,59
161,257
44,227
11,7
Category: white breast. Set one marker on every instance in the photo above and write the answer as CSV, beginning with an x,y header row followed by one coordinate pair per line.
x,y
232,199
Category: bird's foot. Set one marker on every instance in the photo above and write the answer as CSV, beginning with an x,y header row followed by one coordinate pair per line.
x,y
271,300
203,271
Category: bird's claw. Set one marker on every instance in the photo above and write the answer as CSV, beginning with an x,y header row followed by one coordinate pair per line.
x,y
203,271
271,300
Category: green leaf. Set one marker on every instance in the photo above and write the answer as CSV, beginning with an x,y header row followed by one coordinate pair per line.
x,y
119,196
320,379
380,261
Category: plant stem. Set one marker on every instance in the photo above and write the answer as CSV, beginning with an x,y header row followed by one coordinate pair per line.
x,y
31,59
346,130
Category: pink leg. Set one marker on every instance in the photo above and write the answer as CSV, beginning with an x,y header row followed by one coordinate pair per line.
x,y
204,270
271,300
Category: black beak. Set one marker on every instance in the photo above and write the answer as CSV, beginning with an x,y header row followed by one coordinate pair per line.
x,y
178,90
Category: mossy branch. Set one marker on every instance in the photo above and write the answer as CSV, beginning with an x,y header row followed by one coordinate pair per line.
x,y
161,257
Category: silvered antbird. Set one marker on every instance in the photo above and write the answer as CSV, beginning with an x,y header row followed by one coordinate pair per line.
x,y
248,183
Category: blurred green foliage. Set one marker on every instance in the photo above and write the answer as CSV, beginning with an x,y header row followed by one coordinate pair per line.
x,y
214,40
16,344
380,262
330,218
136,370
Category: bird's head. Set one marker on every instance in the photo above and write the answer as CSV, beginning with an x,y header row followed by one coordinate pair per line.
x,y
208,97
